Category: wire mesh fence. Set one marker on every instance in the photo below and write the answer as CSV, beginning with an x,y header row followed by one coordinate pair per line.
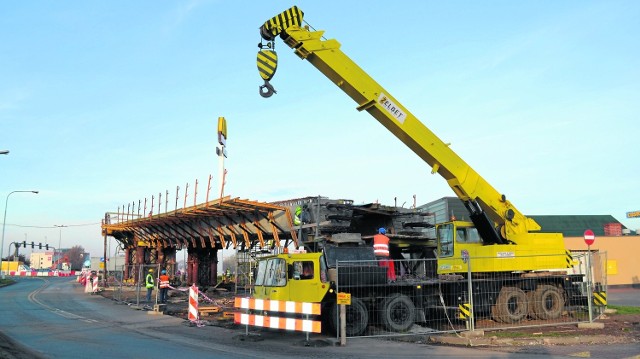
x,y
408,297
130,284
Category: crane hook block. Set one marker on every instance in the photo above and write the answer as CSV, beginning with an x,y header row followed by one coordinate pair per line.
x,y
267,90
267,61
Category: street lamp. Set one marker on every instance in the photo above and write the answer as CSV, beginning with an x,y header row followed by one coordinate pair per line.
x,y
59,242
4,223
4,152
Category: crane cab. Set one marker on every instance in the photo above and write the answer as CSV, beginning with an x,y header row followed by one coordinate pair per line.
x,y
459,243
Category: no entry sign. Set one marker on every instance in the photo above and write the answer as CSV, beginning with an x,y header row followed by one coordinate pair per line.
x,y
589,237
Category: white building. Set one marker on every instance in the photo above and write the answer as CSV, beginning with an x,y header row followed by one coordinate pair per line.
x,y
43,260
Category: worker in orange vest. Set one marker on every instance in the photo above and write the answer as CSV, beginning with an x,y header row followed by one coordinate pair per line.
x,y
381,250
164,286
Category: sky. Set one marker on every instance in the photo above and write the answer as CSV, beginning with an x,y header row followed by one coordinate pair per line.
x,y
106,103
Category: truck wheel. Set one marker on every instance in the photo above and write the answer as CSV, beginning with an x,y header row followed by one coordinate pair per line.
x,y
548,302
397,313
357,318
511,305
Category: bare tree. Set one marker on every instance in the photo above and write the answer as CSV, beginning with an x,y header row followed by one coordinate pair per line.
x,y
229,263
76,257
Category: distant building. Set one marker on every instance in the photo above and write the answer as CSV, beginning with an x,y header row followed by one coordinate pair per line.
x,y
447,208
43,260
113,263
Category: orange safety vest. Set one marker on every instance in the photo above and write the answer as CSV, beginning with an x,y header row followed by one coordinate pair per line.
x,y
381,245
164,281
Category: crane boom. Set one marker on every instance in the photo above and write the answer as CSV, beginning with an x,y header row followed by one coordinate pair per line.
x,y
497,220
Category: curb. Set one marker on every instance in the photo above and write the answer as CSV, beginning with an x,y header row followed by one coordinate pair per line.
x,y
497,342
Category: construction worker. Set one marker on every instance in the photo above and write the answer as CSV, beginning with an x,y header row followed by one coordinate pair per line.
x,y
149,283
381,250
164,286
296,217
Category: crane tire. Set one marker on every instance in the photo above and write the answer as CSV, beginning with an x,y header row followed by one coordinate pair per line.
x,y
511,305
548,302
397,313
357,318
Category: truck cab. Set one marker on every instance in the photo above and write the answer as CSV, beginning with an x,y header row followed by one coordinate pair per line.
x,y
298,277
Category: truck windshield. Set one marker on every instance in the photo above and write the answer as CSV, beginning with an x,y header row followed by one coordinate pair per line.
x,y
272,273
467,235
262,266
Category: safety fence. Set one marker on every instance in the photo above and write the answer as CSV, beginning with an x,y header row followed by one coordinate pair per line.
x,y
133,289
408,297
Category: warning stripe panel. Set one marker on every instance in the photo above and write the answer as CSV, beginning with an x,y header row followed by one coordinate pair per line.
x,y
464,311
300,325
277,306
600,298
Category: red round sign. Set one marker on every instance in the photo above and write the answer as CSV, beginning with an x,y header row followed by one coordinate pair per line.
x,y
589,237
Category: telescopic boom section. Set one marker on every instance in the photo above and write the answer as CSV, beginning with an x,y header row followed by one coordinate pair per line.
x,y
497,220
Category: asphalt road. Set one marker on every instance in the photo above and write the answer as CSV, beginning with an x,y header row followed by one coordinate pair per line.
x,y
53,318
626,296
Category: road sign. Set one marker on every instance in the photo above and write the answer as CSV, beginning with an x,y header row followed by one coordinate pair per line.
x,y
589,237
344,298
465,255
634,214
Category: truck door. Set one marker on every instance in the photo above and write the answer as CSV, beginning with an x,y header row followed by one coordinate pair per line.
x,y
305,284
445,240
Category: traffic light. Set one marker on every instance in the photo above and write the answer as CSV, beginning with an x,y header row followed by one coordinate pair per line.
x,y
24,244
32,245
40,245
46,247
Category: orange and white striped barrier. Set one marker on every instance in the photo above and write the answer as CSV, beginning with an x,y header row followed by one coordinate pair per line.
x,y
193,303
277,306
274,322
95,285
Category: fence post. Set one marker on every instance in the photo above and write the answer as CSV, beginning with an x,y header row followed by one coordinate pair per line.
x,y
470,290
589,285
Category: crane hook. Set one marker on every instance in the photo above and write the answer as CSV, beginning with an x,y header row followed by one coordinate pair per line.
x,y
267,90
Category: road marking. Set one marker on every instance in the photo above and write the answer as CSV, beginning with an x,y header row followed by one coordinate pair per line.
x,y
581,355
32,298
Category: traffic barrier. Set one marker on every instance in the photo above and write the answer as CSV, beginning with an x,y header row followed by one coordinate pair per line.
x,y
193,304
274,322
95,285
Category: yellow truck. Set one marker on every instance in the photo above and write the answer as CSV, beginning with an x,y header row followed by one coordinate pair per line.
x,y
529,267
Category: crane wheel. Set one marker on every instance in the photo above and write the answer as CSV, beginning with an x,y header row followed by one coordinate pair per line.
x,y
548,302
357,318
511,305
397,313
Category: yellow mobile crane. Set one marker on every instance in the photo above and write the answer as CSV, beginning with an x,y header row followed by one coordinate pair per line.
x,y
502,238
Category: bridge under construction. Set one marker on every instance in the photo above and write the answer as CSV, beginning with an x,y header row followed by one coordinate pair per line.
x,y
251,228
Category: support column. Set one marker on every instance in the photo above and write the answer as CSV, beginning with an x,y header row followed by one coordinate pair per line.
x,y
160,256
214,267
127,263
139,261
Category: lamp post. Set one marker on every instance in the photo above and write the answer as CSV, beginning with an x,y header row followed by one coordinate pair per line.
x,y
4,223
4,152
59,242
